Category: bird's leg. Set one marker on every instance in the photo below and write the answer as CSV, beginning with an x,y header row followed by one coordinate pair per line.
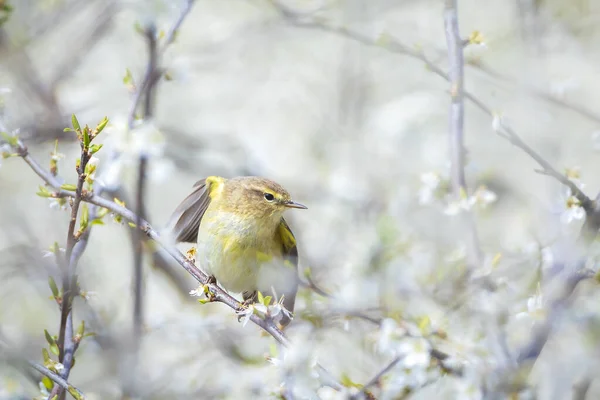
x,y
212,280
249,298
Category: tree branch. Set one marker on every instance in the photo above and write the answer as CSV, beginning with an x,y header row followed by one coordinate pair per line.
x,y
73,391
219,294
390,44
456,131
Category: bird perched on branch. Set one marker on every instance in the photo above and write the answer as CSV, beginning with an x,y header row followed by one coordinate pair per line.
x,y
241,235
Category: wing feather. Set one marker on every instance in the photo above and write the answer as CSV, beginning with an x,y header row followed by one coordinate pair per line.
x,y
185,220
290,255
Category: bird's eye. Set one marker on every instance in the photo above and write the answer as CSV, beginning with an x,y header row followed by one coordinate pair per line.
x,y
269,197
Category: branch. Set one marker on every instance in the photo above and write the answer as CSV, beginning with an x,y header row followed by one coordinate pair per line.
x,y
152,72
219,294
390,44
530,351
375,380
73,391
456,131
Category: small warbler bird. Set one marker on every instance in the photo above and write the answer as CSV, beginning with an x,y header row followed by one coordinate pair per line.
x,y
242,238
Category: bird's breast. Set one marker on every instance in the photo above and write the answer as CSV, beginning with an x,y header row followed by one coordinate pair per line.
x,y
233,249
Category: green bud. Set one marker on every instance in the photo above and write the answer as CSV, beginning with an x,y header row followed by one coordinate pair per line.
x,y
75,123
69,187
43,192
81,328
95,148
53,286
101,125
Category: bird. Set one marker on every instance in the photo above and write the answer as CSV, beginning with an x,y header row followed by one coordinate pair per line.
x,y
242,239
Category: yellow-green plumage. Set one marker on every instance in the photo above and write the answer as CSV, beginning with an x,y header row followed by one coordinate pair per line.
x,y
242,238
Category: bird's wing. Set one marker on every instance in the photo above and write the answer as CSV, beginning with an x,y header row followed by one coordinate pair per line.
x,y
185,220
290,256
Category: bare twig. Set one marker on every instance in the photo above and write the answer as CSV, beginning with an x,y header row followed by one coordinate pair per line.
x,y
531,350
375,380
456,131
152,72
76,393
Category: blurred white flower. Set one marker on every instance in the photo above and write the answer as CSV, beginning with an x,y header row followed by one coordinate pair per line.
x,y
329,393
57,156
572,210
535,307
59,367
430,182
467,391
457,206
484,196
147,139
389,336
50,253
497,122
43,391
58,204
245,314
416,352
91,167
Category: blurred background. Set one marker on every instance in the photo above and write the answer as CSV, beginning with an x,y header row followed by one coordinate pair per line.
x,y
333,100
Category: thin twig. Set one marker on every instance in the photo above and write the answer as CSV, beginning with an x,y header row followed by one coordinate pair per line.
x,y
151,72
375,380
76,393
456,131
65,342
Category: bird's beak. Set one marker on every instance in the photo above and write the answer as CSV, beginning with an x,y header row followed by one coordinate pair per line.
x,y
293,204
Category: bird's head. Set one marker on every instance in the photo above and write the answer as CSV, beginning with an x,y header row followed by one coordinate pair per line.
x,y
256,197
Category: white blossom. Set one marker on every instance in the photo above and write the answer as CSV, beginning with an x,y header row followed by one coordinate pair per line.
x,y
572,210
430,182
535,307
416,352
58,204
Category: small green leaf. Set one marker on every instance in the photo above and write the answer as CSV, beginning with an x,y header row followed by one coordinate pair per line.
x,y
101,125
86,138
85,217
46,357
11,140
81,328
47,382
97,222
43,192
68,130
49,338
53,286
261,299
69,187
95,148
203,301
267,300
128,78
75,123
52,342
73,392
